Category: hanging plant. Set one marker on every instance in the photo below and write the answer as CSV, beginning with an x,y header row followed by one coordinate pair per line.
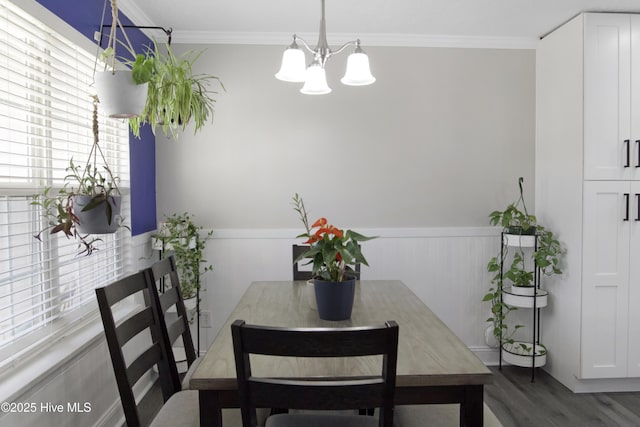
x,y
89,202
176,96
122,92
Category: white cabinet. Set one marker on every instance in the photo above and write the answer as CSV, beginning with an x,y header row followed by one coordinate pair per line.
x,y
633,365
588,191
610,283
611,97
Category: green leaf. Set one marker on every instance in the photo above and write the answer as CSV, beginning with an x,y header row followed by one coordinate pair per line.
x,y
94,202
142,69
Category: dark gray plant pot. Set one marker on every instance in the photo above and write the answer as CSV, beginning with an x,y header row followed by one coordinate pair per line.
x,y
334,299
94,221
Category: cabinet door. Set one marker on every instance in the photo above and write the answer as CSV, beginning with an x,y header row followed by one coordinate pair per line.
x,y
607,96
605,284
634,149
634,282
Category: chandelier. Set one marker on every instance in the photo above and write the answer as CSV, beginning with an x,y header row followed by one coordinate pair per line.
x,y
294,69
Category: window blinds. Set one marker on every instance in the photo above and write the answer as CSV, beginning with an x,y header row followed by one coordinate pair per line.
x,y
45,120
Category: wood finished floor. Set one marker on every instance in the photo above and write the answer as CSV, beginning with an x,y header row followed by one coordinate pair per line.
x,y
516,401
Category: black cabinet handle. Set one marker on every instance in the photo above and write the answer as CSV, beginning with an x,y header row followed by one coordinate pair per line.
x,y
637,207
626,202
638,150
628,144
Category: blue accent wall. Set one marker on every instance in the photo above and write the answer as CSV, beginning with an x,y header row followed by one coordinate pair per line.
x,y
142,154
85,16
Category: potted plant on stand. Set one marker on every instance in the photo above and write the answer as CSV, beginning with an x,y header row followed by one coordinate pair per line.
x,y
515,283
89,202
179,235
332,252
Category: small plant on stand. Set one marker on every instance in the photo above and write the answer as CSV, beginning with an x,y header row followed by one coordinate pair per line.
x,y
180,236
516,222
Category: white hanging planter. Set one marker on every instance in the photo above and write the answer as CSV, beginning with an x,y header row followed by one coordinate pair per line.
x,y
518,296
527,291
514,354
119,95
520,240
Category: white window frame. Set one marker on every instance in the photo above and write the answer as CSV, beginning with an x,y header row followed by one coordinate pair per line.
x,y
55,258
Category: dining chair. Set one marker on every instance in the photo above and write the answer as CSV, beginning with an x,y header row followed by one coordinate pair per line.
x,y
142,318
296,251
174,324
180,408
324,394
298,274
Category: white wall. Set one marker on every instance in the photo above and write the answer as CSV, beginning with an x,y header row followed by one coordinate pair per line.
x,y
439,140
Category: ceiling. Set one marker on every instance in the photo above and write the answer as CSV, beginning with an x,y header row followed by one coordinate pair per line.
x,y
499,23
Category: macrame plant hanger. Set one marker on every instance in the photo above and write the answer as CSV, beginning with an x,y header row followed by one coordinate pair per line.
x,y
113,40
95,149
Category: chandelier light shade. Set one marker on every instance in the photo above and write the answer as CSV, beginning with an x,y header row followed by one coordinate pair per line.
x,y
293,64
315,82
314,77
358,72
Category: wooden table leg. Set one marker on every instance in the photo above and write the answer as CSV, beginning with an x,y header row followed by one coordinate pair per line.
x,y
472,409
210,412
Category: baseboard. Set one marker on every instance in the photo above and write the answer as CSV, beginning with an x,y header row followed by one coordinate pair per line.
x,y
488,355
607,385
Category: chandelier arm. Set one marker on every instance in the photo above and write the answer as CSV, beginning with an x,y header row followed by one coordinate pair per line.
x,y
344,46
304,43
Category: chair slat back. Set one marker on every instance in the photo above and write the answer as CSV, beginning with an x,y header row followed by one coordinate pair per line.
x,y
298,274
165,270
337,394
316,393
314,342
118,334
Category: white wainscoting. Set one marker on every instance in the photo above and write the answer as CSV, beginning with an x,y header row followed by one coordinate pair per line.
x,y
445,267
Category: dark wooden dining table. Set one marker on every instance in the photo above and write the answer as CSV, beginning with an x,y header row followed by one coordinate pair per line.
x,y
434,365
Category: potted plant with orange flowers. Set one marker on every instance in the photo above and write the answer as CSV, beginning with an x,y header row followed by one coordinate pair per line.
x,y
333,253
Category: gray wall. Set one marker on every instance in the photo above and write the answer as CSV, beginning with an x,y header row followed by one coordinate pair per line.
x,y
438,141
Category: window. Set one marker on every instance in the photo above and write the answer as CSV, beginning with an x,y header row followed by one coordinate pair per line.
x,y
45,119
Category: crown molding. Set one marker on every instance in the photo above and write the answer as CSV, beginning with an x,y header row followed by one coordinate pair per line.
x,y
137,15
386,40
